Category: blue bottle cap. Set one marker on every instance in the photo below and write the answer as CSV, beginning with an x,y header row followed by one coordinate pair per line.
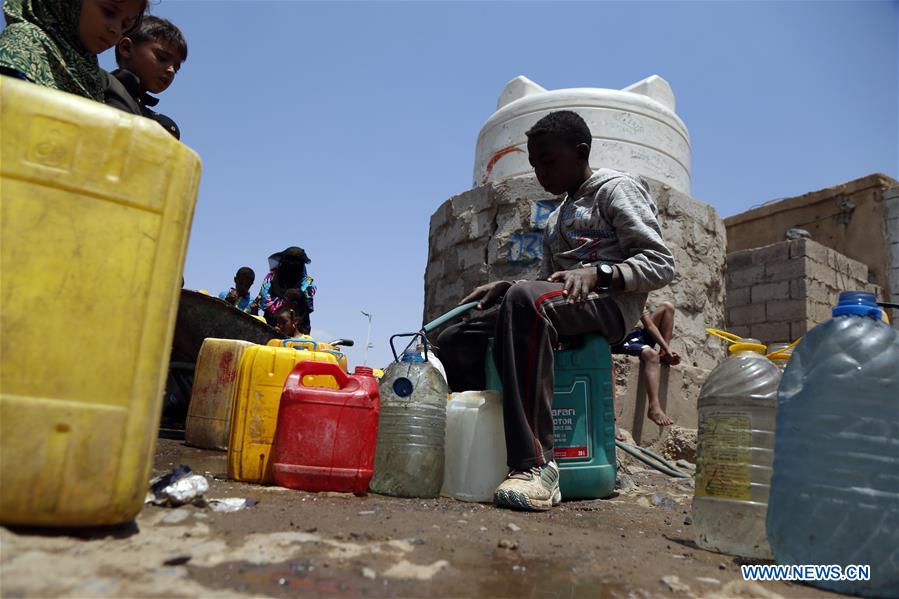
x,y
857,303
412,356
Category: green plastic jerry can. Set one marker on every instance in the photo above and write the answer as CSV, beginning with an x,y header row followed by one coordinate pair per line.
x,y
583,417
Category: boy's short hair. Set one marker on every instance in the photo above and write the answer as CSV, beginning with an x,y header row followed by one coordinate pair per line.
x,y
245,271
156,28
564,124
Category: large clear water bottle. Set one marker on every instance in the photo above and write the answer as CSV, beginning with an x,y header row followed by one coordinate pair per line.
x,y
411,430
835,490
734,452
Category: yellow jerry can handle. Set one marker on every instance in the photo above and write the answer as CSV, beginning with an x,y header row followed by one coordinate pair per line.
x,y
729,337
785,353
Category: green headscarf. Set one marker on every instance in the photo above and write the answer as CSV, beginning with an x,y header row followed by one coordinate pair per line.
x,y
42,42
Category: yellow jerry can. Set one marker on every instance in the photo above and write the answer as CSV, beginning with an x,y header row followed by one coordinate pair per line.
x,y
308,343
254,416
95,212
215,386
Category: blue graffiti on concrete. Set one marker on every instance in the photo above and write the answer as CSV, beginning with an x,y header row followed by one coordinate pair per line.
x,y
540,214
525,248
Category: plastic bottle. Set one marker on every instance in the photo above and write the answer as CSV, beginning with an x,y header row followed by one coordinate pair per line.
x,y
835,489
410,451
475,446
734,452
780,354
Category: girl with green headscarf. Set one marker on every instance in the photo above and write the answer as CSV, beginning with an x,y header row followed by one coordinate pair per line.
x,y
55,43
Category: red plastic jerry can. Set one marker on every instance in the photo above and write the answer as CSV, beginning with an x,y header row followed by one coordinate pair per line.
x,y
325,439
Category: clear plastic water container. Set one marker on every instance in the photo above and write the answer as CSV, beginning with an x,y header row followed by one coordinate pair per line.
x,y
780,354
737,407
475,446
412,425
835,490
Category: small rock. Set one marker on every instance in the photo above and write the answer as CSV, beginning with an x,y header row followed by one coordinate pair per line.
x,y
680,443
483,529
663,501
178,560
722,566
687,486
282,581
743,588
797,233
674,583
643,501
706,580
507,544
179,515
462,521
688,520
624,482
513,527
369,573
416,541
518,568
366,513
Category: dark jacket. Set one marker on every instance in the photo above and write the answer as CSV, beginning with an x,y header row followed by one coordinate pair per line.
x,y
123,92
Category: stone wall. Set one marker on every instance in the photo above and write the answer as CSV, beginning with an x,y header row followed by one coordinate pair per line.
x,y
891,222
850,218
494,232
778,292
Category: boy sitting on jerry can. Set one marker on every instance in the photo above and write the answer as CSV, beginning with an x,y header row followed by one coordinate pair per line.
x,y
603,253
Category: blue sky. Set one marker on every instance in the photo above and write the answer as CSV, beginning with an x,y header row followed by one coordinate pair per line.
x,y
341,127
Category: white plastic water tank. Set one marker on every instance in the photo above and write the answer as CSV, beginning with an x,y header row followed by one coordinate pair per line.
x,y
634,130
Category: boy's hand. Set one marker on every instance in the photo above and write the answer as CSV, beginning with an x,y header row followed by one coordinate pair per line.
x,y
232,296
487,295
578,282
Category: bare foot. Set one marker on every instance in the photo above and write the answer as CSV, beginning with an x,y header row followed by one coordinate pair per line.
x,y
672,359
619,436
659,417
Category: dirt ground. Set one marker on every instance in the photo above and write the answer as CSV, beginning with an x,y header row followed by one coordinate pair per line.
x,y
634,545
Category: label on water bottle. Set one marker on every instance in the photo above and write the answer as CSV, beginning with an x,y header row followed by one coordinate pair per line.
x,y
724,455
570,418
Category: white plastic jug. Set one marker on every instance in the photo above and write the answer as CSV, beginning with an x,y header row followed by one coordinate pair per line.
x,y
475,446
737,407
835,490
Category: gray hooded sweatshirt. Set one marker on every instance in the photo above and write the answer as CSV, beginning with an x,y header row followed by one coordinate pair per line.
x,y
611,220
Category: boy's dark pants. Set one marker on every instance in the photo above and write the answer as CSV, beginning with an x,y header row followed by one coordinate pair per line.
x,y
526,328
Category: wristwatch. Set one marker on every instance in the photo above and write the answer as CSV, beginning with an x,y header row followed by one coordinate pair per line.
x,y
604,274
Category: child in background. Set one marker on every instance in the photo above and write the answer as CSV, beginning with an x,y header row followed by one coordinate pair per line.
x,y
286,322
55,43
148,59
288,271
296,301
657,328
239,295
